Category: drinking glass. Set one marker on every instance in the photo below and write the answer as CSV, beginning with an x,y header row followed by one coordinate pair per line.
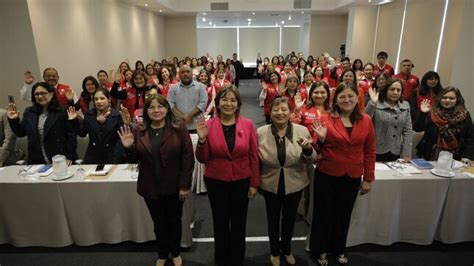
x,y
80,173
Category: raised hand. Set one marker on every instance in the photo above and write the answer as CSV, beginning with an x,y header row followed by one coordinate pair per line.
x,y
374,96
118,77
71,113
264,86
12,113
320,129
425,106
305,144
70,94
29,79
126,118
126,136
299,101
202,129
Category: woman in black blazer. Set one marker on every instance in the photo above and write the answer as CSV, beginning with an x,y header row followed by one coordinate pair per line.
x,y
102,124
46,126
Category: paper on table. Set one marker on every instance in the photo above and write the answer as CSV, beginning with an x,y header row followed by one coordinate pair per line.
x,y
382,167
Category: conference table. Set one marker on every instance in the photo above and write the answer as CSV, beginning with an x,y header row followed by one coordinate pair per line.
x,y
415,209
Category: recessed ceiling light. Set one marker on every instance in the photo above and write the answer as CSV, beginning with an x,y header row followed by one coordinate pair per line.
x,y
253,13
161,10
203,19
249,19
302,12
204,13
289,17
210,22
146,4
282,22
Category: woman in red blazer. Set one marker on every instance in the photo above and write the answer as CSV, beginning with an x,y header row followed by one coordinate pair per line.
x,y
166,163
347,142
228,146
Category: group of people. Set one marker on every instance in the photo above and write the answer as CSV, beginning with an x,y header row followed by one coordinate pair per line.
x,y
336,116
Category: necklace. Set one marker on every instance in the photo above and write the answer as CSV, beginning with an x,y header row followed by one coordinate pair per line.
x,y
156,131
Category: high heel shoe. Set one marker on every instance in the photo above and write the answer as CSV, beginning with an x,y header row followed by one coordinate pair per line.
x,y
290,259
275,260
342,259
322,260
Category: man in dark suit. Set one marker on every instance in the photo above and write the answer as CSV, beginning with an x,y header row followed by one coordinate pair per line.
x,y
239,68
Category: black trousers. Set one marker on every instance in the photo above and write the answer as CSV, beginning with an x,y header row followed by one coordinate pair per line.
x,y
386,157
166,214
284,207
229,204
334,199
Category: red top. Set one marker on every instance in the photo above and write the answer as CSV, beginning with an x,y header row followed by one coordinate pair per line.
x,y
61,90
165,89
365,84
306,117
387,69
272,93
221,164
409,85
344,154
218,84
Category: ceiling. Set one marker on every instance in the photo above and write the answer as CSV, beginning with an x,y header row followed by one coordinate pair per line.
x,y
245,8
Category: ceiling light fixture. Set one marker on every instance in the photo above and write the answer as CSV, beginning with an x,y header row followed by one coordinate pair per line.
x,y
204,13
253,13
210,22
282,22
249,19
161,10
203,19
146,4
289,17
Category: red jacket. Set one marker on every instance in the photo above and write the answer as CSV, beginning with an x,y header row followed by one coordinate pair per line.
x,y
409,85
272,93
352,155
218,86
165,89
365,84
176,162
61,90
223,165
387,69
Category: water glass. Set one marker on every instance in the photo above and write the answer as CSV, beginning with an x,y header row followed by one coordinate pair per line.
x,y
134,171
80,173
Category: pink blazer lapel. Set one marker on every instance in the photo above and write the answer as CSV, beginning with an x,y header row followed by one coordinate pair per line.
x,y
220,138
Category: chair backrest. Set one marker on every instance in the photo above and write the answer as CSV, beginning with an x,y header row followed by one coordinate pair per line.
x,y
82,144
417,136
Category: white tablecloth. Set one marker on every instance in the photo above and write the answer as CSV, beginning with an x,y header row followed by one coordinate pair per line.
x,y
414,209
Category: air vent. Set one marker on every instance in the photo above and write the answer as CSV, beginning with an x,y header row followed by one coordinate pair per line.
x,y
219,6
301,4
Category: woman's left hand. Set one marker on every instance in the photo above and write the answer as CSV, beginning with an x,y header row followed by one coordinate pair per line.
x,y
306,144
183,194
365,187
252,192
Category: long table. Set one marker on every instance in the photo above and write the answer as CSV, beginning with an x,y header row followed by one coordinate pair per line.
x,y
414,209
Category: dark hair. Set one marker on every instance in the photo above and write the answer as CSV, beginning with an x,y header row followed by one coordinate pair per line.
x,y
54,100
102,71
123,62
381,74
146,67
407,61
313,88
276,59
383,91
310,60
170,119
341,78
104,91
149,88
355,115
368,64
136,74
361,68
230,88
279,100
382,54
345,59
270,75
425,89
160,78
85,94
290,77
314,72
139,62
208,82
459,99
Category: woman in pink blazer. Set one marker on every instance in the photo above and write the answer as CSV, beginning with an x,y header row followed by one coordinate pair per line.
x,y
228,147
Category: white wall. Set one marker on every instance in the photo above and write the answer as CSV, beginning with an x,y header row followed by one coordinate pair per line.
x,y
17,49
463,66
361,27
254,40
217,41
180,36
327,33
79,37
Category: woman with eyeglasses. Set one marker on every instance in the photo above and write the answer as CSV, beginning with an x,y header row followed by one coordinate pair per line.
x,y
46,126
165,158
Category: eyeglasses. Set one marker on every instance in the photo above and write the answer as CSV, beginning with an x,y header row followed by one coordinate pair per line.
x,y
41,94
